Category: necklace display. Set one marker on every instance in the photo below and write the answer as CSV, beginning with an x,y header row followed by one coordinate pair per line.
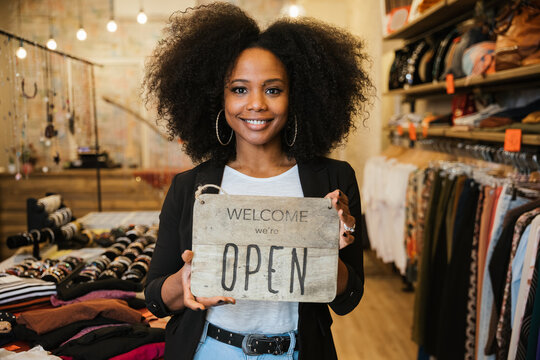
x,y
8,134
12,113
46,100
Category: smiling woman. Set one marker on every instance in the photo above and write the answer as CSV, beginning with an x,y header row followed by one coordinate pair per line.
x,y
256,99
262,108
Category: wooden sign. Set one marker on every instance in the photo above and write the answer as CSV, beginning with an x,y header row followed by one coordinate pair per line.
x,y
265,248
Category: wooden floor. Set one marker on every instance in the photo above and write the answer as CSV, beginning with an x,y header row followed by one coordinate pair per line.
x,y
380,327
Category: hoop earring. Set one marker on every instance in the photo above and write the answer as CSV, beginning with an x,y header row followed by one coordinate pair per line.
x,y
217,131
295,133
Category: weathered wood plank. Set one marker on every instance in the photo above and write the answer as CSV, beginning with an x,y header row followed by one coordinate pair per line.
x,y
265,248
271,220
280,277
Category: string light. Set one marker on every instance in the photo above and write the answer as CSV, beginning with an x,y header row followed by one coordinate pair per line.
x,y
111,25
293,10
81,33
21,51
51,43
141,17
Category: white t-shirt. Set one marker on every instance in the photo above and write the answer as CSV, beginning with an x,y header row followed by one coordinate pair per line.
x,y
263,317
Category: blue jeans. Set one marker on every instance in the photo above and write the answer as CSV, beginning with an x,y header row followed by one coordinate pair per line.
x,y
504,204
209,348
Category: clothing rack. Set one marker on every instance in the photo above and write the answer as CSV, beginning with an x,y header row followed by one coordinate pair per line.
x,y
526,161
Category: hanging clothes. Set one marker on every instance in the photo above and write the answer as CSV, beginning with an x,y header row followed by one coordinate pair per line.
x,y
505,203
498,267
469,243
384,190
453,310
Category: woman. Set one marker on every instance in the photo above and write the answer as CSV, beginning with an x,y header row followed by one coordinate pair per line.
x,y
260,109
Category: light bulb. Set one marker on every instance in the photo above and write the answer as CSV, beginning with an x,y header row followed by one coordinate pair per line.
x,y
142,18
294,11
21,52
51,44
81,34
111,26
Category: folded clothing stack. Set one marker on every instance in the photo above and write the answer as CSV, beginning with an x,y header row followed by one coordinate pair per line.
x,y
91,329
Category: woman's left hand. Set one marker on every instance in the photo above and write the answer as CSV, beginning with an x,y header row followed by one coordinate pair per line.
x,y
340,202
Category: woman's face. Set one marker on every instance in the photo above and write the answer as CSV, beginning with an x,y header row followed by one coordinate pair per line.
x,y
257,98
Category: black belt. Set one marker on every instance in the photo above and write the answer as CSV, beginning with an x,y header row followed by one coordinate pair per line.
x,y
252,344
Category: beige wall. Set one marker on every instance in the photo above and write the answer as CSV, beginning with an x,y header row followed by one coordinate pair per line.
x,y
362,18
123,55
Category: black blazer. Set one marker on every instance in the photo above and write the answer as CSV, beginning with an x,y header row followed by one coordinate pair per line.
x,y
317,177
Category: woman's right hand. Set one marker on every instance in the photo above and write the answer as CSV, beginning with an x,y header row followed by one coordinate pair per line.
x,y
176,290
190,301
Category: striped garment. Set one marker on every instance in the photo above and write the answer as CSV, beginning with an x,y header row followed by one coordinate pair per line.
x,y
14,288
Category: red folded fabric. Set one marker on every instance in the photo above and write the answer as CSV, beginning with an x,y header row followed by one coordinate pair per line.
x,y
43,321
145,352
98,294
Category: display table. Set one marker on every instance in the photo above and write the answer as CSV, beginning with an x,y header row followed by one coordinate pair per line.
x,y
120,191
132,245
111,219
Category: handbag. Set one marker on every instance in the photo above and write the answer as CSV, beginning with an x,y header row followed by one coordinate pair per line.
x,y
454,57
406,65
398,70
412,76
463,104
518,35
442,50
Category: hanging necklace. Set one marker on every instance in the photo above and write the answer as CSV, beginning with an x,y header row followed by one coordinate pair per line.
x,y
12,113
88,110
68,88
55,111
9,147
45,93
50,131
24,114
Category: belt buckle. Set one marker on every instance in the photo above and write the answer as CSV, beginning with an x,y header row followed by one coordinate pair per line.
x,y
247,343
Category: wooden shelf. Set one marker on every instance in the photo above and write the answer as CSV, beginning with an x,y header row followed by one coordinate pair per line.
x,y
479,135
521,76
443,12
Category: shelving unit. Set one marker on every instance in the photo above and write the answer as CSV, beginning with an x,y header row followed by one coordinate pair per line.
x,y
442,12
442,15
480,135
525,76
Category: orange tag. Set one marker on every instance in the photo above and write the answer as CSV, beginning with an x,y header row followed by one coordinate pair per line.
x,y
512,140
412,132
12,347
425,128
400,130
450,88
